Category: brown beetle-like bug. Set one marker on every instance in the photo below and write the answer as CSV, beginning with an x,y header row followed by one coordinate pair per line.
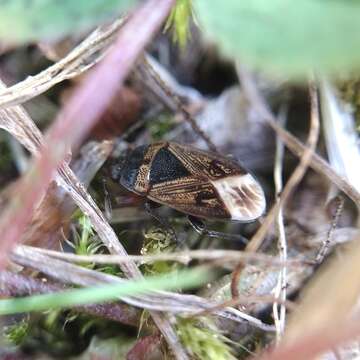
x,y
192,181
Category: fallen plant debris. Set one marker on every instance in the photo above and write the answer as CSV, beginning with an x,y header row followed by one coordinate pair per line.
x,y
91,108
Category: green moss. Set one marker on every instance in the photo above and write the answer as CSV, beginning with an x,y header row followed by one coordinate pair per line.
x,y
203,340
160,126
86,242
17,332
158,241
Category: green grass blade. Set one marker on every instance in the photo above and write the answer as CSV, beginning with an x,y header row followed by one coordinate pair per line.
x,y
109,292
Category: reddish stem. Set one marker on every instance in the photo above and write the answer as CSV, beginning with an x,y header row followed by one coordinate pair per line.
x,y
79,115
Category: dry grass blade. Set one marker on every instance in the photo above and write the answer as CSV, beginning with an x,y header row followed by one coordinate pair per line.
x,y
219,257
79,60
246,300
293,181
19,124
70,183
181,304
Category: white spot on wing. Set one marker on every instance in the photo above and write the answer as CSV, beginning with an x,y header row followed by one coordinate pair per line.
x,y
242,195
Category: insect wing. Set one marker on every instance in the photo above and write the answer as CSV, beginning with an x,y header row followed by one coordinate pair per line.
x,y
206,164
213,187
190,195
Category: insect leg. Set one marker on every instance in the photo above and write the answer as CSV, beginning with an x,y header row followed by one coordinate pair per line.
x,y
150,206
107,202
200,227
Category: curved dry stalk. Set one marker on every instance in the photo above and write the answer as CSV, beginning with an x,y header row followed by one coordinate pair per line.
x,y
298,173
293,181
246,300
292,143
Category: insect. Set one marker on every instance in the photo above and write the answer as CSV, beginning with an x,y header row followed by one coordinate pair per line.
x,y
195,182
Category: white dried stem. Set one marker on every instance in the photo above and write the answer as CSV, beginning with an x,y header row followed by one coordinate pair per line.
x,y
221,257
342,141
280,289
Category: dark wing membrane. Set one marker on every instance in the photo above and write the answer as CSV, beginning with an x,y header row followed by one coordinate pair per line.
x,y
206,164
190,195
165,166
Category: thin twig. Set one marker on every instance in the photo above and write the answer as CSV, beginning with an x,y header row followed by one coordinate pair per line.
x,y
280,289
244,300
172,97
293,144
326,244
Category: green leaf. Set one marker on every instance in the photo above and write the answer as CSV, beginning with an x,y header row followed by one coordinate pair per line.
x,y
183,279
286,37
31,20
